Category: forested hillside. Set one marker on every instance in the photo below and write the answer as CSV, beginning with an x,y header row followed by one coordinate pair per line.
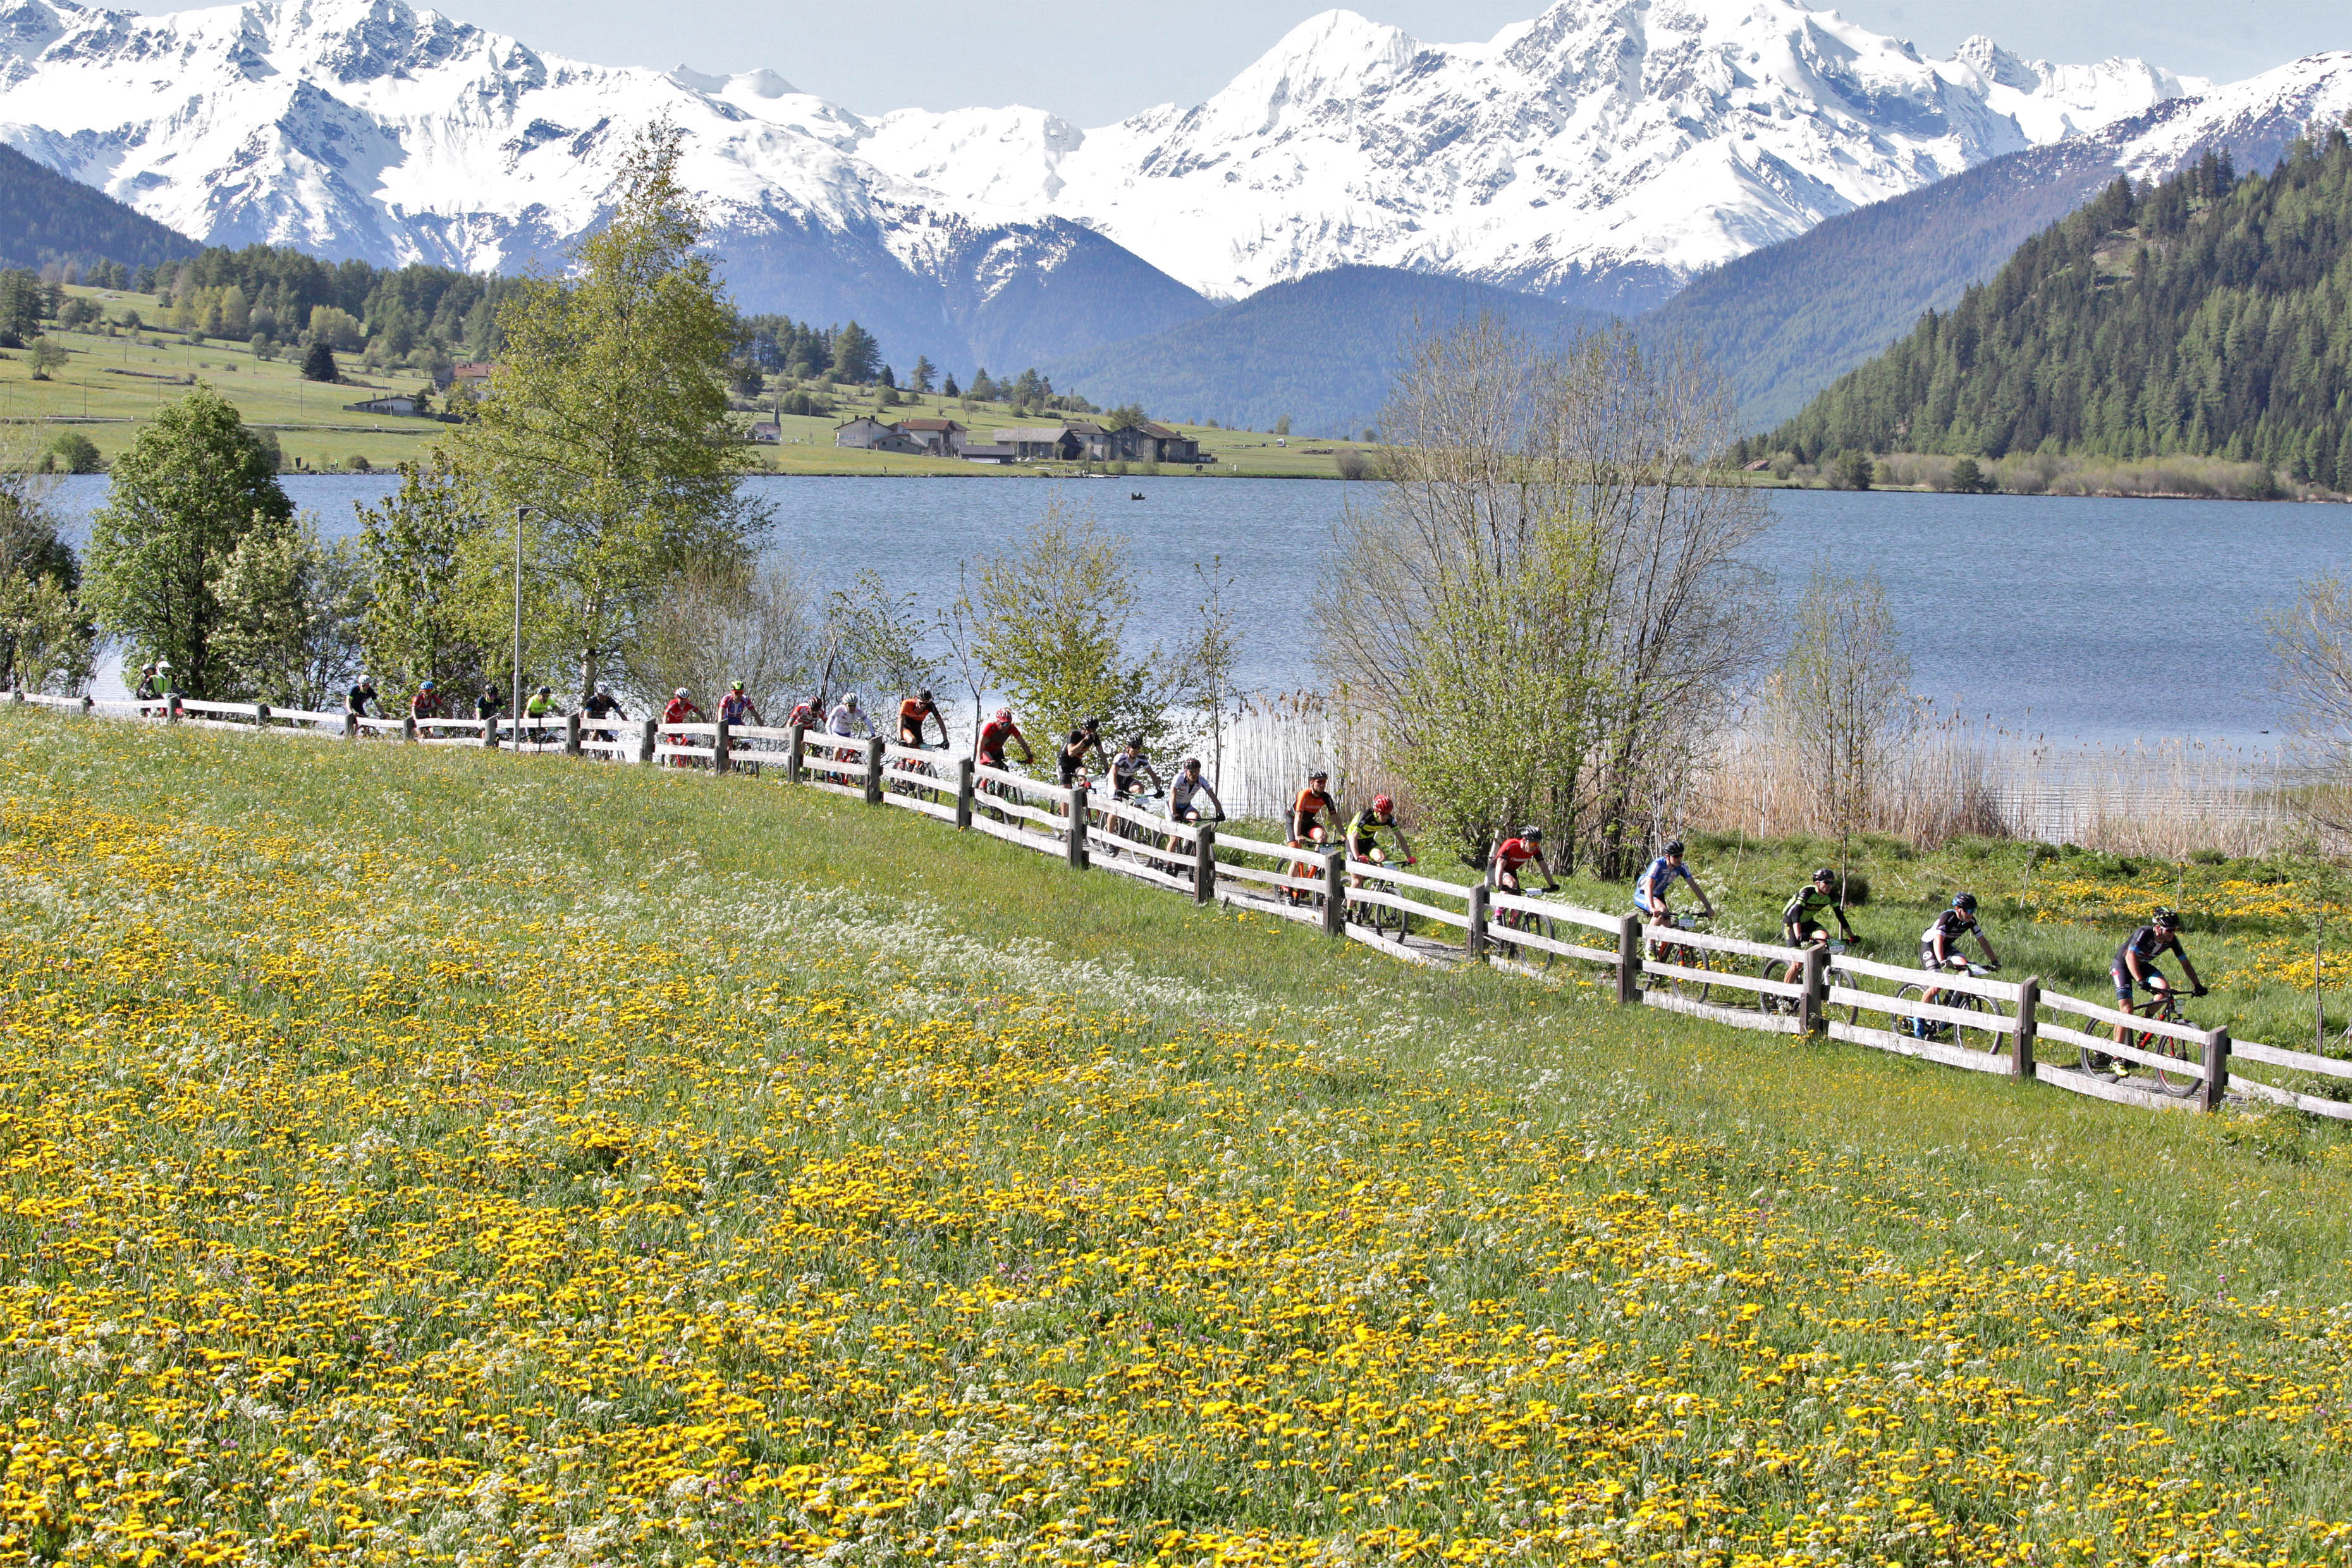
x,y
47,218
2209,315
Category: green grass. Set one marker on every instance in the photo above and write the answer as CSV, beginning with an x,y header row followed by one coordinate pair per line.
x,y
669,1090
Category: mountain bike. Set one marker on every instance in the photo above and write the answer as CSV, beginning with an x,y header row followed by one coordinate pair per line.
x,y
1777,969
1690,955
1524,920
1968,1037
2179,1081
1381,919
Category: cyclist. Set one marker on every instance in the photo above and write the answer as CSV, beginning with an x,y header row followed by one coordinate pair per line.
x,y
916,711
1364,832
148,688
737,706
1309,811
1130,765
993,737
604,705
427,703
2136,966
357,700
809,713
1189,785
539,707
1086,737
1800,922
849,718
1650,889
1515,853
1939,944
680,710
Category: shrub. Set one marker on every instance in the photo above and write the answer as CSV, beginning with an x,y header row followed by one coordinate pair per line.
x,y
77,453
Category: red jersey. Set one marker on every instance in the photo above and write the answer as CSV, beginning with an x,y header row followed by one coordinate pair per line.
x,y
806,717
680,711
1513,853
994,736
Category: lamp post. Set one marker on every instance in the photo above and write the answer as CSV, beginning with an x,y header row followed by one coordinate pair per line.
x,y
514,714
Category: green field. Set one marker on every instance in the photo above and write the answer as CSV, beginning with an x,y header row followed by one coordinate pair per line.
x,y
418,1154
111,382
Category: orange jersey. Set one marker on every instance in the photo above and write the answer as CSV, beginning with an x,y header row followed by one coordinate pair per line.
x,y
1312,804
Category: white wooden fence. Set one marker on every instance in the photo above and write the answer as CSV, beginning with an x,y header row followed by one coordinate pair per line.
x,y
1975,1023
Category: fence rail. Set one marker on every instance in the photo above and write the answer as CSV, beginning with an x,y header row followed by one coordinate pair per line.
x,y
2013,1023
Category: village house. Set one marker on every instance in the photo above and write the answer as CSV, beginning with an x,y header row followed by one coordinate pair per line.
x,y
766,430
868,434
939,437
402,404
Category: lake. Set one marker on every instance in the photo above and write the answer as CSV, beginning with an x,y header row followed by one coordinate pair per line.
x,y
2103,621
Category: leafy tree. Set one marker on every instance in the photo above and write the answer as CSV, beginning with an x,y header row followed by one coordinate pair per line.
x,y
291,612
319,362
926,372
608,421
77,453
46,640
194,483
854,355
1282,425
1968,476
20,307
1052,628
417,626
1855,471
48,356
873,639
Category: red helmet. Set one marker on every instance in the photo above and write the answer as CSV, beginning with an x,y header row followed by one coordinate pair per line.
x,y
1004,715
1383,805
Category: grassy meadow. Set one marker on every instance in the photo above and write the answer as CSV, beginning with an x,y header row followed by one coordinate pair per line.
x,y
112,382
432,1156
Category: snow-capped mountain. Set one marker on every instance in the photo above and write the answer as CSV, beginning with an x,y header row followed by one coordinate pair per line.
x,y
1598,154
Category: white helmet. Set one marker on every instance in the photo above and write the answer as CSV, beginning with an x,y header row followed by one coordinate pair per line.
x,y
679,692
849,699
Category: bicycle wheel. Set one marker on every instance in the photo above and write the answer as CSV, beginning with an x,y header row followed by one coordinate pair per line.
x,y
1917,1028
1766,1002
1971,1037
2189,1076
1386,921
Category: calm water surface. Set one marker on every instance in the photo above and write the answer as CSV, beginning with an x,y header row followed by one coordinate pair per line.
x,y
2098,620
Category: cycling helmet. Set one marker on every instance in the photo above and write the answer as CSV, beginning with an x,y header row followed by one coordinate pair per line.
x,y
922,696
1674,848
603,689
1531,831
679,692
1091,725
1382,805
738,685
1004,715
1967,902
1134,742
1825,875
2170,919
1192,764
550,690
1318,774
431,684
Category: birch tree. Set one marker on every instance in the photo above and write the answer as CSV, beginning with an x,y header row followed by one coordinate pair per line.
x,y
1840,696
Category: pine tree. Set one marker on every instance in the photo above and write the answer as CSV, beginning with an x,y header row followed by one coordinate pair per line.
x,y
319,362
927,372
855,355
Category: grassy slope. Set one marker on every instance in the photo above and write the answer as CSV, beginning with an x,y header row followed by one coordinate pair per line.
x,y
1975,1314
115,382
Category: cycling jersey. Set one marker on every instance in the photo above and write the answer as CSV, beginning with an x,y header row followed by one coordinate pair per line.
x,y
1650,890
1364,832
1309,809
806,716
992,739
1180,792
539,706
847,721
425,705
1808,907
356,699
2149,945
733,707
604,705
1513,853
1074,752
912,712
680,711
1951,926
1124,768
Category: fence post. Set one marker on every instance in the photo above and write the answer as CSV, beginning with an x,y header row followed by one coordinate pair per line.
x,y
647,746
490,731
87,702
261,715
2217,1069
2021,1044
1812,1009
171,707
408,728
792,758
1204,865
1629,959
1473,936
571,735
16,694
351,726
964,791
1335,892
874,770
719,759
1077,833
